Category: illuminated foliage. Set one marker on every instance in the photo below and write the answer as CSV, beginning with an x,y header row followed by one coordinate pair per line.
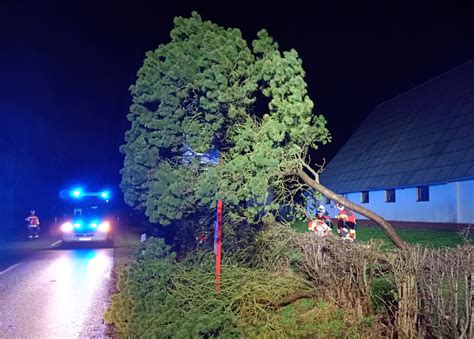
x,y
199,90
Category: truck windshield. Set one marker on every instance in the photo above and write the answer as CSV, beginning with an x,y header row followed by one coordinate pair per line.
x,y
88,210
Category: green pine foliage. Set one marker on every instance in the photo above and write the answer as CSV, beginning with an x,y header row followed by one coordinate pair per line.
x,y
187,91
200,90
151,305
142,288
161,298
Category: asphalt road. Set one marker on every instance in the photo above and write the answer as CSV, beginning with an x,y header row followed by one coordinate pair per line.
x,y
53,292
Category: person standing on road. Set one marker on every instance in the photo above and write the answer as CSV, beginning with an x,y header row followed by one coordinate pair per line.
x,y
33,225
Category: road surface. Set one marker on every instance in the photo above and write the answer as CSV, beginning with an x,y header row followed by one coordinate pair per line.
x,y
52,292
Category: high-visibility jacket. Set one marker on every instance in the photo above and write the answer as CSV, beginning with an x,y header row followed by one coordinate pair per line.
x,y
346,215
320,225
33,220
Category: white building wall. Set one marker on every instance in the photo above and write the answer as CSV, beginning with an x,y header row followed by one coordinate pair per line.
x,y
451,203
465,195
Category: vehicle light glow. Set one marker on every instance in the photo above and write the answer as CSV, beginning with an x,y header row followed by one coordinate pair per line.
x,y
77,224
77,193
104,194
66,227
104,226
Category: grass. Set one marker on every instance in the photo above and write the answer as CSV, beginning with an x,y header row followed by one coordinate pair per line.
x,y
429,238
309,318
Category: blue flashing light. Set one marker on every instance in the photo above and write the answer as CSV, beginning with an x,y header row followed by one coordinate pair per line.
x,y
94,224
77,193
78,224
104,194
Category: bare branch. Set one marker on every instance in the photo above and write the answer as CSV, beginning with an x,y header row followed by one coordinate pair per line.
x,y
313,172
321,167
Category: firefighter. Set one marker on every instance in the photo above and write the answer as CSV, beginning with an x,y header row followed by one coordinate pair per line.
x,y
33,225
321,224
346,223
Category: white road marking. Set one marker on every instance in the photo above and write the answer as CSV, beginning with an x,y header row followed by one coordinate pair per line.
x,y
8,269
57,242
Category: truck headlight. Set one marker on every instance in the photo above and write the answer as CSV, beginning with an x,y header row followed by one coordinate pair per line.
x,y
66,227
104,226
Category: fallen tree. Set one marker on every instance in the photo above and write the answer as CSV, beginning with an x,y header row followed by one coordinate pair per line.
x,y
199,93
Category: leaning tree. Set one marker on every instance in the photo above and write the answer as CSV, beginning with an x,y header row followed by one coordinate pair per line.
x,y
202,91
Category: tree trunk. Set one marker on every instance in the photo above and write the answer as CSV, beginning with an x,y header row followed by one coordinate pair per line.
x,y
294,297
384,224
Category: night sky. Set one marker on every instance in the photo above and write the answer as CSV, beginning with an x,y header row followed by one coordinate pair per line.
x,y
65,69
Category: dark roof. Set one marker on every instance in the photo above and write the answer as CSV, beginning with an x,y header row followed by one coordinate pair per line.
x,y
423,136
